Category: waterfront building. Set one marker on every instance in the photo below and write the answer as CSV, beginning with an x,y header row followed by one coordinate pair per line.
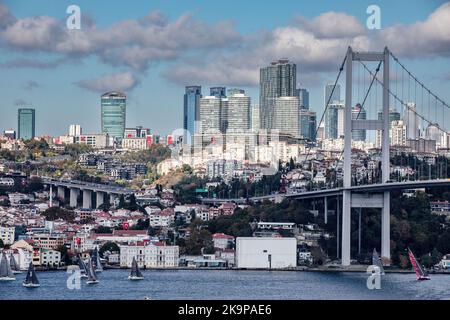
x,y
279,79
26,123
149,255
50,258
266,253
191,110
113,114
222,241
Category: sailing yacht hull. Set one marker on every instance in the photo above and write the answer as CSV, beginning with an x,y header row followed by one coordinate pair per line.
x,y
17,272
92,282
423,278
7,279
30,285
135,278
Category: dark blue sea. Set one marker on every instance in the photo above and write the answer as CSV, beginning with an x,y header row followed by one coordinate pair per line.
x,y
221,284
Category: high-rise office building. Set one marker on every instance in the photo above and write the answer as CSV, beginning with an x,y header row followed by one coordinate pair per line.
x,y
238,113
308,124
286,118
255,118
276,80
234,91
113,114
75,130
191,111
411,120
210,114
393,116
26,123
397,133
334,120
218,92
303,96
336,97
359,113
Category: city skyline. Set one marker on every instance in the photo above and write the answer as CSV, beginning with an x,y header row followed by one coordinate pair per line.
x,y
54,80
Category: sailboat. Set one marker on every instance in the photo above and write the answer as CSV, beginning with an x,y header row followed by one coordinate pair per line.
x,y
135,272
83,267
420,272
13,264
376,261
6,273
92,279
96,261
31,281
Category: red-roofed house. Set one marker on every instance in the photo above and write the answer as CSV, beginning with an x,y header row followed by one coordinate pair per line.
x,y
222,240
162,218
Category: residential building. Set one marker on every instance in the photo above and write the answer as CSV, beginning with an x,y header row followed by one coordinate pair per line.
x,y
50,258
7,234
75,130
222,241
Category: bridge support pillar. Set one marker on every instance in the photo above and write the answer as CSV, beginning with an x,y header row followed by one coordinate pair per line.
x,y
100,198
87,199
385,228
346,226
112,199
325,209
61,193
74,197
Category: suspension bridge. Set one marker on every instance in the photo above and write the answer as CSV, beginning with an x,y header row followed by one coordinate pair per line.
x,y
383,87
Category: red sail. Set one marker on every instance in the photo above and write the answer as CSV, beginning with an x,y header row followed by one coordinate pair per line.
x,y
415,265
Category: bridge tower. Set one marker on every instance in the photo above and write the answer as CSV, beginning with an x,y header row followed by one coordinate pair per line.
x,y
372,200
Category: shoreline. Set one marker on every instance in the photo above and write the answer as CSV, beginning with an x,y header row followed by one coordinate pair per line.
x,y
351,269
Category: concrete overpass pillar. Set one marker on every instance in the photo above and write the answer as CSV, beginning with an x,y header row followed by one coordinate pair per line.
x,y
61,193
87,199
346,226
386,227
100,197
74,197
325,209
112,198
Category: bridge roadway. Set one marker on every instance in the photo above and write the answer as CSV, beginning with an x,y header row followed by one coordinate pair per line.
x,y
81,185
372,188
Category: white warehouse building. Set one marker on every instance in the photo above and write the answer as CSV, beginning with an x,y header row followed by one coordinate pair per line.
x,y
266,253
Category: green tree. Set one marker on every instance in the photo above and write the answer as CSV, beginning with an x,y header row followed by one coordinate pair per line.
x,y
2,245
109,246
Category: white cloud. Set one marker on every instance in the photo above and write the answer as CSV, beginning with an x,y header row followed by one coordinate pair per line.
x,y
122,81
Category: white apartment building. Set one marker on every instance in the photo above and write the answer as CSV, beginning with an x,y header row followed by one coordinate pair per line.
x,y
7,235
150,256
162,218
135,143
50,258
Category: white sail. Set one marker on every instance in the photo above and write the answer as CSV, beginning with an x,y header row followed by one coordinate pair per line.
x,y
5,269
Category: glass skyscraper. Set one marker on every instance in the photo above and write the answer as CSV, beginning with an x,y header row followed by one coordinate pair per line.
x,y
191,111
218,92
334,121
276,80
359,113
303,95
26,123
336,93
308,124
113,114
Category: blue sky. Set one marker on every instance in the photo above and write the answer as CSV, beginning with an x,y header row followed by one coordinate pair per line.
x,y
201,42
